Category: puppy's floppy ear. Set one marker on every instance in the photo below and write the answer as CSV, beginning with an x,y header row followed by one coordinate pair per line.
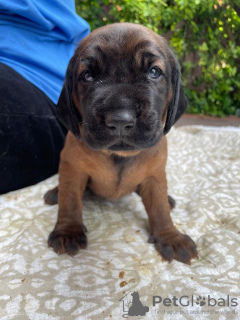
x,y
66,110
178,103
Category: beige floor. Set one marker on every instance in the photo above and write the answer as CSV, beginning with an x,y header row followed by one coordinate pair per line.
x,y
189,119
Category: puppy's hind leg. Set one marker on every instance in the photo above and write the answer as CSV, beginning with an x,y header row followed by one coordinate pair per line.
x,y
51,197
171,202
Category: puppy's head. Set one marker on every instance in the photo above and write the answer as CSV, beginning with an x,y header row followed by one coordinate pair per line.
x,y
122,89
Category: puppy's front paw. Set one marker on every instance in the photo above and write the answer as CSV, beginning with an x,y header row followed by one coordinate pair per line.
x,y
68,239
176,246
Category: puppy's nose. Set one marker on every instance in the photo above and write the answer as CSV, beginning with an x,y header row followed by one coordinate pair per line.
x,y
120,122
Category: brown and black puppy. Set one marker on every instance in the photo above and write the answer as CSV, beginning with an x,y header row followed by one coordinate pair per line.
x,y
122,94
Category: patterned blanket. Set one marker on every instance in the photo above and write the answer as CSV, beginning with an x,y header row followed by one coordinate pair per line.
x,y
120,275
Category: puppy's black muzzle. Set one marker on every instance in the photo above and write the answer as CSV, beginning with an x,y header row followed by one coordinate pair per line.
x,y
120,122
121,117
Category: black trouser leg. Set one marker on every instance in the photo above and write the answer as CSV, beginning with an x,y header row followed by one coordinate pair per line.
x,y
31,137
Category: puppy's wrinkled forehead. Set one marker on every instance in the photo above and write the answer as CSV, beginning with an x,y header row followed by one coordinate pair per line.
x,y
122,47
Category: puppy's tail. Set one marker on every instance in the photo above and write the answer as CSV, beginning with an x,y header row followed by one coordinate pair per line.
x,y
51,197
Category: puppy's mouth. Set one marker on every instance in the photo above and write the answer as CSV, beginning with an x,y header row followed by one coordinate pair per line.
x,y
121,146
103,141
117,144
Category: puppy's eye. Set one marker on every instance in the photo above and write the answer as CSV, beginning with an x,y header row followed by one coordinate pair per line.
x,y
154,73
86,76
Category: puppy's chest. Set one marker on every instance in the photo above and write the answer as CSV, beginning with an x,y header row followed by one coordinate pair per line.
x,y
115,178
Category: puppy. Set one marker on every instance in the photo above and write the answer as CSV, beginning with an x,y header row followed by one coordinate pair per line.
x,y
122,94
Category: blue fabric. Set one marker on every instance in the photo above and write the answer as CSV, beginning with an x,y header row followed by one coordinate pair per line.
x,y
38,38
